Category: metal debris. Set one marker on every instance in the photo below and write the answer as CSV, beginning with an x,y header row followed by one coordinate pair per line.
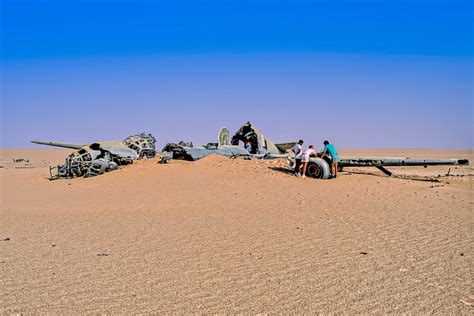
x,y
100,157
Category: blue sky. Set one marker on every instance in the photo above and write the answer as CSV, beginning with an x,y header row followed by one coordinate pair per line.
x,y
360,73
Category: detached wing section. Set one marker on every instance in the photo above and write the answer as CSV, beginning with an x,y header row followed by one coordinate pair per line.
x,y
62,145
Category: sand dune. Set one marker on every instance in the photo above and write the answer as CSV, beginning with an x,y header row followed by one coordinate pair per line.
x,y
228,235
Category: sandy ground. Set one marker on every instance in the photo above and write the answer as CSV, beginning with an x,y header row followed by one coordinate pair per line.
x,y
235,236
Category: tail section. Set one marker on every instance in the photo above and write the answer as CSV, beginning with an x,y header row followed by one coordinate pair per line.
x,y
223,137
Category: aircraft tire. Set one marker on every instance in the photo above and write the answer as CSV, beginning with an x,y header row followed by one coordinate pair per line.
x,y
318,168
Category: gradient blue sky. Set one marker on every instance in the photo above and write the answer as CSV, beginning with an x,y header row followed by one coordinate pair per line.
x,y
363,74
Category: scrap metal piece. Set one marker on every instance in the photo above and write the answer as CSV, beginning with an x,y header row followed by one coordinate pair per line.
x,y
143,144
165,157
388,173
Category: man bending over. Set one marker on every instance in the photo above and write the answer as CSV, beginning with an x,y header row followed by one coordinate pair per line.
x,y
330,151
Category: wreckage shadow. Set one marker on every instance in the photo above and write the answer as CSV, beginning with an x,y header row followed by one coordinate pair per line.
x,y
282,170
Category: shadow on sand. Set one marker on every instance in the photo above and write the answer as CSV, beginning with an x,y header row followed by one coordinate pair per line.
x,y
282,170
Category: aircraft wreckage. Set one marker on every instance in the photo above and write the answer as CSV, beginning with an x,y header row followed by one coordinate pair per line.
x,y
261,147
99,157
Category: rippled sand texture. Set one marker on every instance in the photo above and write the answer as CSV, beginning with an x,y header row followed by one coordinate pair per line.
x,y
227,236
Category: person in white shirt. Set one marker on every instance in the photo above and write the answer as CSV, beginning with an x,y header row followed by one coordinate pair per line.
x,y
298,150
307,153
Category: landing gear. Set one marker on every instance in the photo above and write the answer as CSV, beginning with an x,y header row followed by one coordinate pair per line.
x,y
318,168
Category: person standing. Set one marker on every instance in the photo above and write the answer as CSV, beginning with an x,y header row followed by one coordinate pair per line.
x,y
298,150
307,153
330,150
248,146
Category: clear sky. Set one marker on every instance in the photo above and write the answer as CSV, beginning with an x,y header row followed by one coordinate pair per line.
x,y
363,74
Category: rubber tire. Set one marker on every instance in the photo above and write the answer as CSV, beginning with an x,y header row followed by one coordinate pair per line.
x,y
318,168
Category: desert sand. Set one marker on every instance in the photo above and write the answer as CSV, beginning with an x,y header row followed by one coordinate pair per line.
x,y
234,236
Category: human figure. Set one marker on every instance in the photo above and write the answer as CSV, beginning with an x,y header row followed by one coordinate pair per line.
x,y
248,146
298,150
330,151
307,153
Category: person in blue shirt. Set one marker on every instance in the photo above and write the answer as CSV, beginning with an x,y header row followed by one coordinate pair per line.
x,y
330,150
248,146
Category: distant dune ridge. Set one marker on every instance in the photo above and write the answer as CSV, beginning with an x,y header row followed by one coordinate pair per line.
x,y
227,235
